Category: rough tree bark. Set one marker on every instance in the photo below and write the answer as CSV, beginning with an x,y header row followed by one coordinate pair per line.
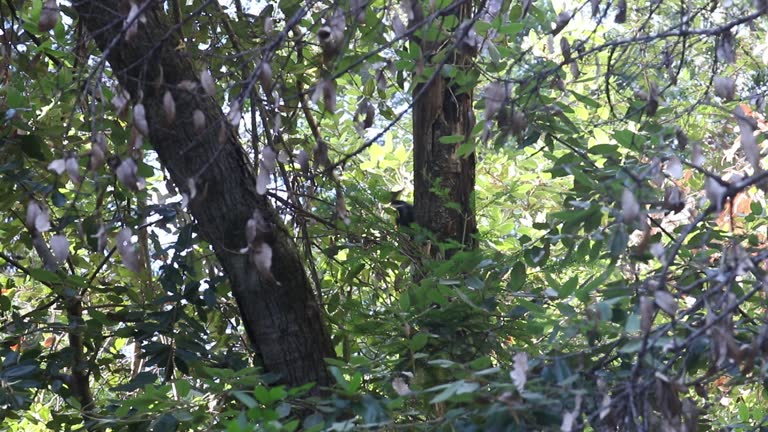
x,y
443,182
283,322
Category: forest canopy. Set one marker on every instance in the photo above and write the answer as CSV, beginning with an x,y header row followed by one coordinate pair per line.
x,y
468,215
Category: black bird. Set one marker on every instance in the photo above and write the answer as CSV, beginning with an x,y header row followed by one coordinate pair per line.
x,y
405,213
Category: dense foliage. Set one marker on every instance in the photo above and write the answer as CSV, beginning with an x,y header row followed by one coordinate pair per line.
x,y
618,281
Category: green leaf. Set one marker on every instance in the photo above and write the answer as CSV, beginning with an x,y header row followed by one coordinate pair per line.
x,y
165,423
569,287
336,372
245,398
585,100
465,149
452,139
42,275
183,387
457,388
405,301
19,371
419,341
138,382
34,147
262,395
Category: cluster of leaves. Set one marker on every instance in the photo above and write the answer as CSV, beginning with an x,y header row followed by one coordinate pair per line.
x,y
620,277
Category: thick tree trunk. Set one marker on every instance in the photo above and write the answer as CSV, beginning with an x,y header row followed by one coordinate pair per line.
x,y
443,182
283,321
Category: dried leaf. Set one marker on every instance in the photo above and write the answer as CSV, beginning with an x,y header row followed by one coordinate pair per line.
x,y
265,76
674,199
169,107
563,18
630,208
127,250
726,47
666,302
365,114
569,420
101,239
715,192
234,115
98,151
357,10
697,157
120,102
72,168
302,158
565,48
575,72
198,120
466,39
656,175
331,35
326,89
187,85
49,16
60,248
262,179
595,7
254,228
519,371
725,87
206,82
140,119
58,166
320,154
261,256
282,157
652,103
341,208
675,167
525,6
136,139
495,97
269,158
657,250
647,308
127,174
398,27
192,187
381,80
518,123
258,235
400,386
131,23
747,127
621,12
37,218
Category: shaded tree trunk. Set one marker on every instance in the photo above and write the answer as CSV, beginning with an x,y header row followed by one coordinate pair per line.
x,y
444,182
283,321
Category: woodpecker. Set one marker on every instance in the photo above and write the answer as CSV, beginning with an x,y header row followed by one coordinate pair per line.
x,y
405,213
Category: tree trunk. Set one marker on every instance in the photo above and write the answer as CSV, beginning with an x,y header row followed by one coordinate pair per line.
x,y
444,182
283,321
